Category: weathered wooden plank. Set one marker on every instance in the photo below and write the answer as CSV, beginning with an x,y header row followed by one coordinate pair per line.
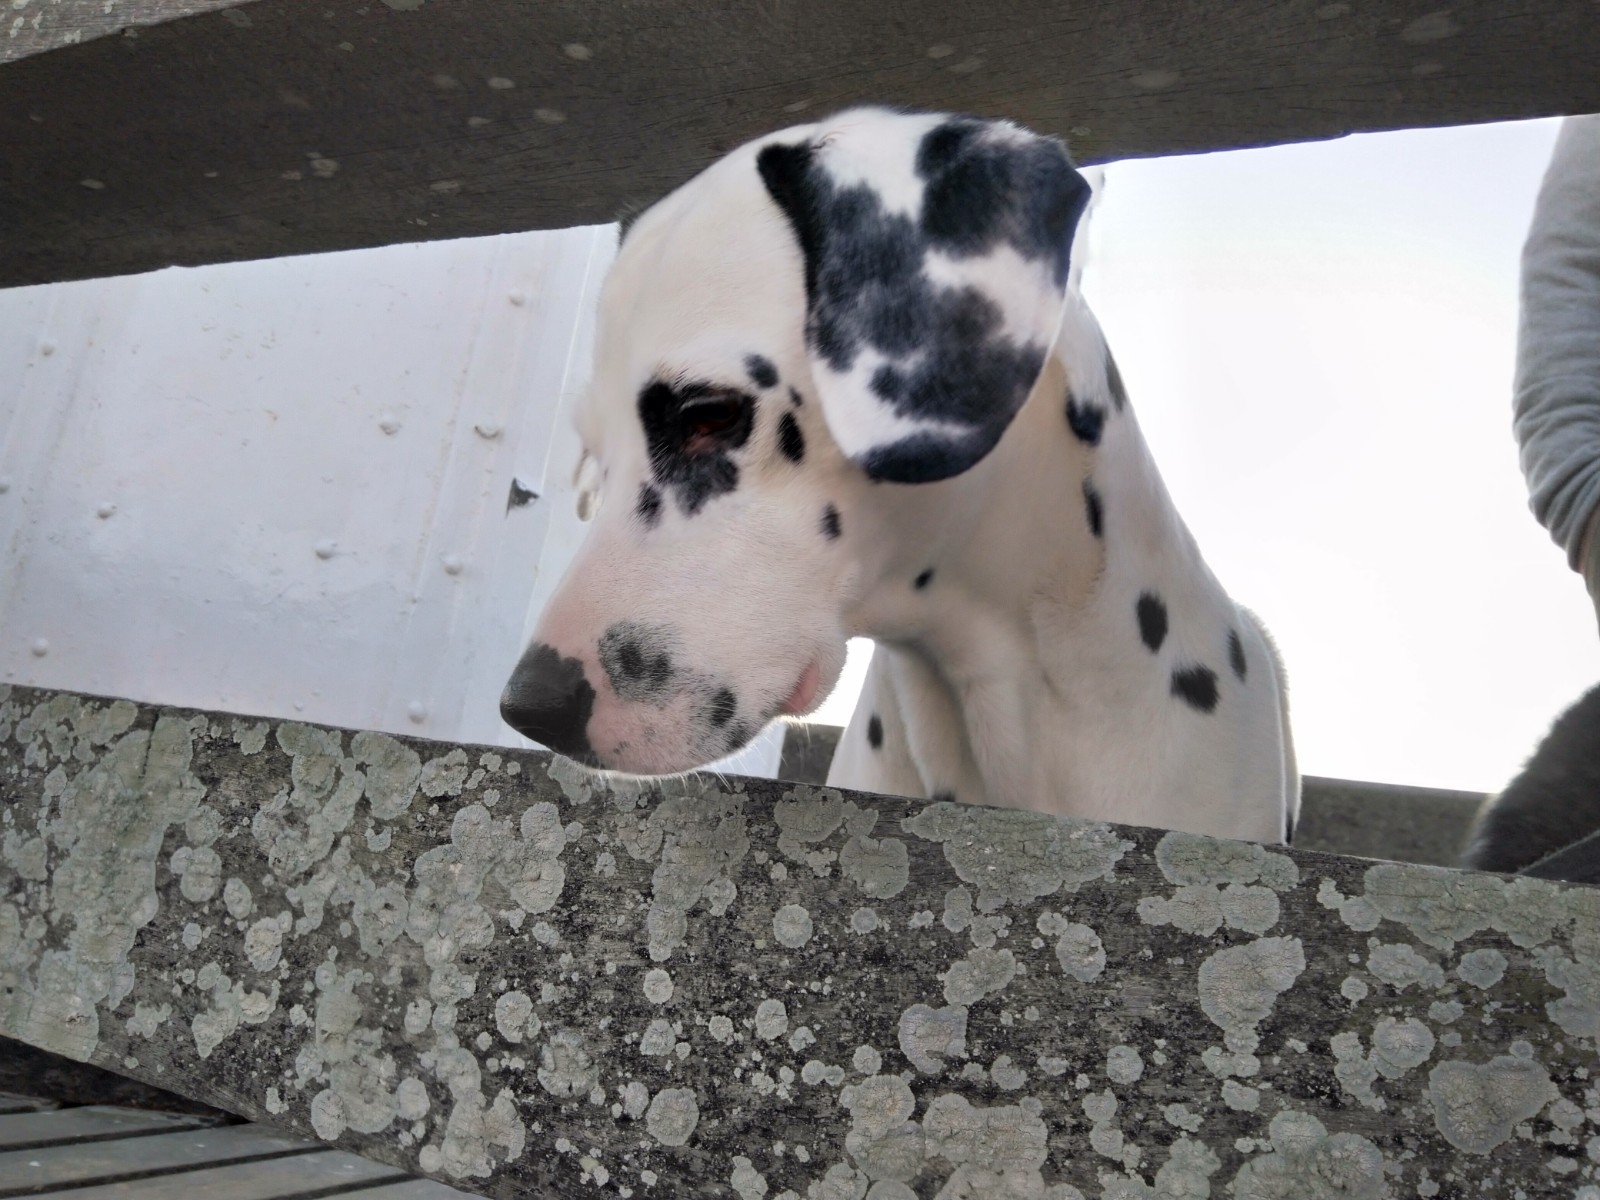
x,y
1337,816
500,972
29,1071
285,127
300,1175
80,1124
23,1104
30,1172
412,1189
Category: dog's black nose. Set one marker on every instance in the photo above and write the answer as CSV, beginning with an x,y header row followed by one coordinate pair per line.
x,y
550,701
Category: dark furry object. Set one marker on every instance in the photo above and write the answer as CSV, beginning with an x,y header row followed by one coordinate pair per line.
x,y
1547,820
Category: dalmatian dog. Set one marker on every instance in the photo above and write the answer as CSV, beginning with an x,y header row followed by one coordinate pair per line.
x,y
845,385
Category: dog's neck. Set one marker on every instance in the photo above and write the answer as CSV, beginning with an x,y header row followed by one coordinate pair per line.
x,y
1026,599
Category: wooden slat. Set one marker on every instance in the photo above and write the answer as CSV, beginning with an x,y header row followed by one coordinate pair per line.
x,y
412,1189
29,1172
302,1175
10,1103
284,127
77,1124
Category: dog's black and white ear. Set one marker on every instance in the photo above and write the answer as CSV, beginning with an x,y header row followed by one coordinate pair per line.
x,y
936,253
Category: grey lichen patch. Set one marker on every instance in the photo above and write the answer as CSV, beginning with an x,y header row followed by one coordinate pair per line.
x,y
1401,967
880,867
112,814
702,837
393,773
672,1116
1356,912
994,1151
929,1036
1013,857
981,973
1442,907
883,1140
791,925
511,1012
1400,1045
806,816
1578,1011
772,1020
746,1181
1240,984
566,1068
1482,968
1308,1163
1189,860
1476,1105
443,776
1124,1065
1078,948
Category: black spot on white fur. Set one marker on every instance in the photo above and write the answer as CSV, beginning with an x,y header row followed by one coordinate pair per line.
x,y
875,732
830,523
1152,614
648,507
1236,654
948,358
637,659
1093,509
692,475
943,796
795,398
761,371
1086,420
723,707
923,579
1119,394
790,440
1196,687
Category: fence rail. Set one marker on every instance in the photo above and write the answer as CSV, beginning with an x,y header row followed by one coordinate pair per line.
x,y
155,132
489,968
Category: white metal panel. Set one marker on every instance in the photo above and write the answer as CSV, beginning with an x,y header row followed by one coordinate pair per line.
x,y
282,487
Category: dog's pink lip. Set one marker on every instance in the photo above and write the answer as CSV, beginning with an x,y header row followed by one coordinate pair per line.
x,y
805,690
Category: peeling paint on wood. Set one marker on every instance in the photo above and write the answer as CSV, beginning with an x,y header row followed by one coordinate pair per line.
x,y
494,969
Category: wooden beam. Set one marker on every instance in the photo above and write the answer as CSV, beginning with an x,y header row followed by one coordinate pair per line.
x,y
496,970
286,127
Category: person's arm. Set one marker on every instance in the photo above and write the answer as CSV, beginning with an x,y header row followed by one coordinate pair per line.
x,y
1556,404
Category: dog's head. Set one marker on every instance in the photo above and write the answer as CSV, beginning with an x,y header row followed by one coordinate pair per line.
x,y
865,301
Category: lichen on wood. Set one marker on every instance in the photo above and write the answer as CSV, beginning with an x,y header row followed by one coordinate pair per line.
x,y
495,969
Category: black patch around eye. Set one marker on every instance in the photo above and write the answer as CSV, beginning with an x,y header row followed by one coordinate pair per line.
x,y
649,506
723,707
830,523
875,732
1093,509
1119,394
693,473
1236,654
1152,620
923,580
637,659
1196,687
1087,421
790,440
761,371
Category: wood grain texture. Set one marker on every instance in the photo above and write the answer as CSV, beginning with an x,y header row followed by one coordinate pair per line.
x,y
285,127
497,971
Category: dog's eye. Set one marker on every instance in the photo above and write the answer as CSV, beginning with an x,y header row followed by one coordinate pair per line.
x,y
713,419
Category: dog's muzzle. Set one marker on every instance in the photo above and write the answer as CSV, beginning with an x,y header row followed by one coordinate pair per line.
x,y
549,700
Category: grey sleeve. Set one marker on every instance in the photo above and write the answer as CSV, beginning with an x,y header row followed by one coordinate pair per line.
x,y
1556,404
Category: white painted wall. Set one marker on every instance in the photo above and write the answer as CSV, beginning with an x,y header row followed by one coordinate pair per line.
x,y
281,487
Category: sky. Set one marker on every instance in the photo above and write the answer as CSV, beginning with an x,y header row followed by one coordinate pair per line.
x,y
1319,342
